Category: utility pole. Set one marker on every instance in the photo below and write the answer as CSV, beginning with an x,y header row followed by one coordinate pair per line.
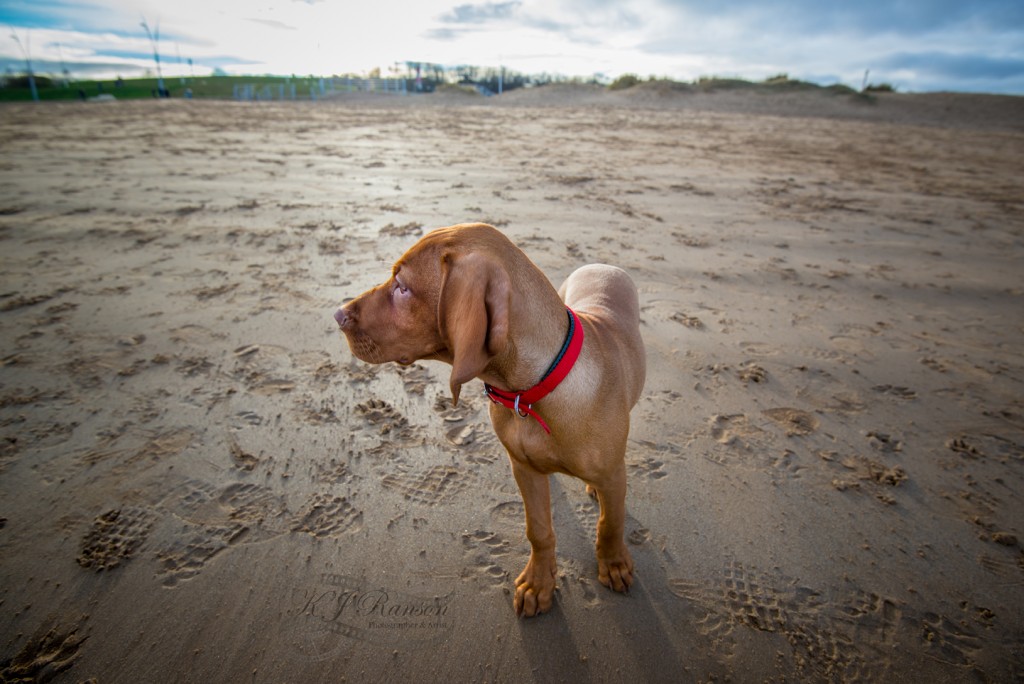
x,y
28,63
63,67
155,42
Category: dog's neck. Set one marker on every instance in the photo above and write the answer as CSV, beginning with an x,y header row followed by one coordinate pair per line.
x,y
537,330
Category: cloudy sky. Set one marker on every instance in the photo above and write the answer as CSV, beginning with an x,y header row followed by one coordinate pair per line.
x,y
964,45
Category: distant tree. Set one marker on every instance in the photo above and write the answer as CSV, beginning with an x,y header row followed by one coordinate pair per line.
x,y
624,81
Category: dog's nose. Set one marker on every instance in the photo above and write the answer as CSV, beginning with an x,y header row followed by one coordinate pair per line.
x,y
345,315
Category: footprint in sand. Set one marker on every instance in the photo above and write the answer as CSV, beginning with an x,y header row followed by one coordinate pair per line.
x,y
207,293
753,600
15,301
588,513
202,503
785,464
454,414
359,372
797,423
734,430
962,446
115,537
475,442
847,403
884,442
242,459
271,386
333,246
383,415
246,351
689,321
895,391
195,365
693,241
249,503
334,472
485,551
407,230
189,498
827,640
415,378
751,372
949,641
1005,568
48,652
317,411
866,471
983,445
462,435
161,446
325,373
758,349
639,536
509,516
212,520
194,546
646,467
436,485
937,365
328,516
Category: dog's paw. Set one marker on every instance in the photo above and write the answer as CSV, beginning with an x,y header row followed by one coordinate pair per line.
x,y
615,569
535,586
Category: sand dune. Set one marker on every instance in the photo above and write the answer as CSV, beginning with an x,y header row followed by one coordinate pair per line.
x,y
200,484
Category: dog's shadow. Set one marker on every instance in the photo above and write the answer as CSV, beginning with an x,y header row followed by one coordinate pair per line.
x,y
648,631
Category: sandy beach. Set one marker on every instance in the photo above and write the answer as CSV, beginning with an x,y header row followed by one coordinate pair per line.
x,y
198,483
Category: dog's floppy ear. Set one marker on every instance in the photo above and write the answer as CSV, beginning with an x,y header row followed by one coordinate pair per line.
x,y
472,314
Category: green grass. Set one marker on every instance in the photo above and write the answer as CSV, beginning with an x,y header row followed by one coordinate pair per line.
x,y
222,87
624,81
214,87
780,83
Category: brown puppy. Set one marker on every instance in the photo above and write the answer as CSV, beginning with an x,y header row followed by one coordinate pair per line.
x,y
467,296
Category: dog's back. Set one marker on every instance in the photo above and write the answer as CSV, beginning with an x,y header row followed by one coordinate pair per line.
x,y
607,298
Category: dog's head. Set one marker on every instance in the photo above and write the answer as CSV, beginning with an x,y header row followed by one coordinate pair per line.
x,y
447,299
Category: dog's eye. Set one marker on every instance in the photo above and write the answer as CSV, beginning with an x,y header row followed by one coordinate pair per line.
x,y
400,288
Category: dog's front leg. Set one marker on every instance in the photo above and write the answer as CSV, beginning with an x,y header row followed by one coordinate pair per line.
x,y
535,586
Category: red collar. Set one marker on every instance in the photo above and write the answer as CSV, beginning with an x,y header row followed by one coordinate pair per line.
x,y
522,402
